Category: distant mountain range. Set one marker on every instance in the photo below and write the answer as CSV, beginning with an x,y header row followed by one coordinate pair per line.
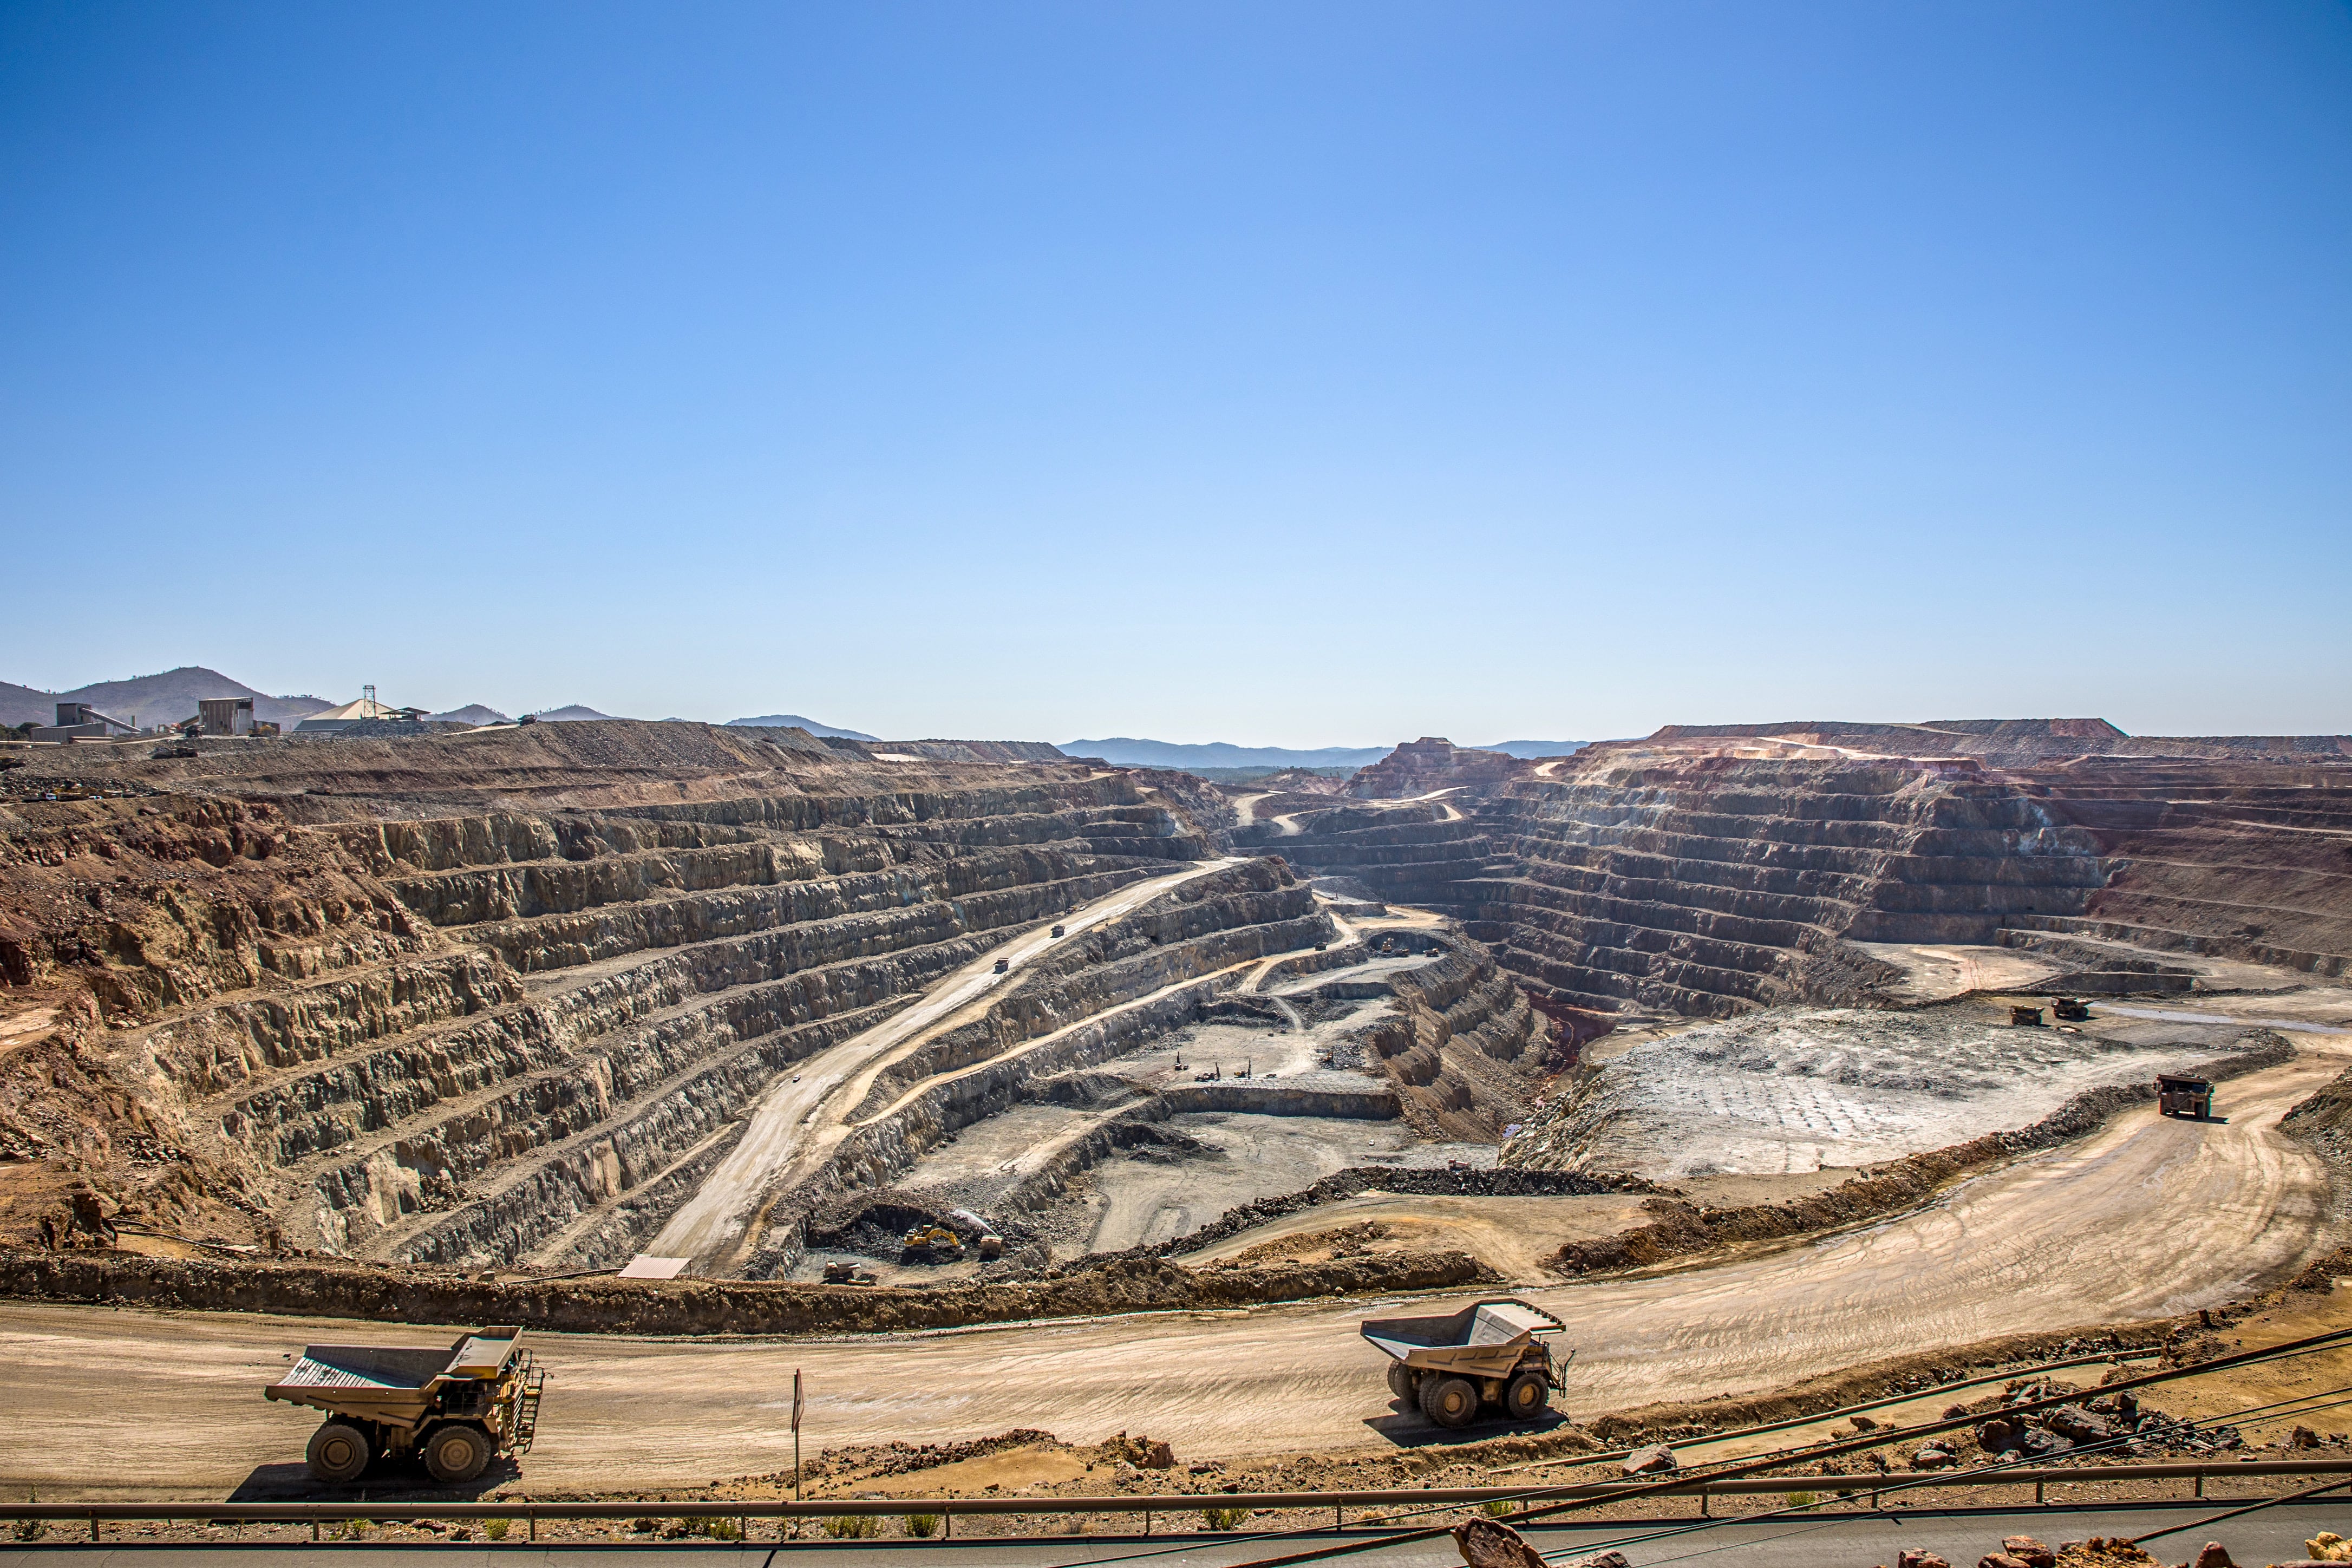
x,y
574,714
148,701
794,721
474,714
1129,752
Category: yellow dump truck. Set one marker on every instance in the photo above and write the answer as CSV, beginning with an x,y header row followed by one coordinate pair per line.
x,y
1489,1354
457,1407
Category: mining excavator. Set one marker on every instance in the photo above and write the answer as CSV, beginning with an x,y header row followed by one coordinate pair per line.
x,y
932,1244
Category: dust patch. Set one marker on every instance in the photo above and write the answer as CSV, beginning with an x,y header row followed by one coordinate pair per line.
x,y
1802,1089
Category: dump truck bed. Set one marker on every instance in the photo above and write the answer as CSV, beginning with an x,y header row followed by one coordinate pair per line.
x,y
1486,1336
391,1384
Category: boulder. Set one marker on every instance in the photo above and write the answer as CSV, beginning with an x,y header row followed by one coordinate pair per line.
x,y
1997,1435
1921,1559
1654,1460
2213,1555
2077,1425
2124,1406
1487,1543
2035,1444
2028,1551
1999,1560
1862,1423
2304,1437
1933,1457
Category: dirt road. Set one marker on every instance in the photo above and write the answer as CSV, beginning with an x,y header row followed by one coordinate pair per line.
x,y
2149,1217
802,1119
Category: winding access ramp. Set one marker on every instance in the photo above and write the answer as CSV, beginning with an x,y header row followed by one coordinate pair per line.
x,y
2146,1218
804,1117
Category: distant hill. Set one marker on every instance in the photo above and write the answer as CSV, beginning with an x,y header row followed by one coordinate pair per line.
x,y
1536,748
474,714
794,721
574,714
151,699
1129,752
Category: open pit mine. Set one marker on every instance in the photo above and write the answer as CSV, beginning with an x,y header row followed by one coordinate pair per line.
x,y
707,1053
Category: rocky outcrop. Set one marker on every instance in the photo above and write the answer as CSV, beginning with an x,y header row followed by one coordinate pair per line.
x,y
1418,767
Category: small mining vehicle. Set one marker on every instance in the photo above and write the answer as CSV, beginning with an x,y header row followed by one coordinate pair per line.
x,y
2025,1017
2070,1009
2178,1094
932,1244
1489,1354
458,1407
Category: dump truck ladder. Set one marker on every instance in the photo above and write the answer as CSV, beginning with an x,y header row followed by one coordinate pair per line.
x,y
526,1415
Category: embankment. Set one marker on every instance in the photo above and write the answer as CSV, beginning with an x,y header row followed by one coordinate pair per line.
x,y
697,1307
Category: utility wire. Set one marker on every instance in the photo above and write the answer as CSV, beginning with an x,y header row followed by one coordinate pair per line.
x,y
1991,1472
2291,1350
2220,1363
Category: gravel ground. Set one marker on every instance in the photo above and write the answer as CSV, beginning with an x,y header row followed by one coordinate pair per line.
x,y
1801,1090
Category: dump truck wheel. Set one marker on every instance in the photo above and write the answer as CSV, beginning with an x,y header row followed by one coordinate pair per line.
x,y
1449,1401
456,1454
338,1453
1401,1381
1526,1396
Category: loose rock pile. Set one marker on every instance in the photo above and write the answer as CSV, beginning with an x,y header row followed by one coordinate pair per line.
x,y
2111,1423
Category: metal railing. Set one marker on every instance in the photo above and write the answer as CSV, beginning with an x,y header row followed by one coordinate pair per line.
x,y
1382,1504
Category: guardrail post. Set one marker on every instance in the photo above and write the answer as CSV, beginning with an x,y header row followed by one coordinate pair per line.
x,y
2037,1493
1338,1518
314,1528
535,1526
2201,1483
93,1525
1147,1524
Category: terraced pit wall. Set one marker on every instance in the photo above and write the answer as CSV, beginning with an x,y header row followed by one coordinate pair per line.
x,y
1704,889
468,1036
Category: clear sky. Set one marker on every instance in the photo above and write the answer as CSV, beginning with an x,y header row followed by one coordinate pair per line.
x,y
1277,373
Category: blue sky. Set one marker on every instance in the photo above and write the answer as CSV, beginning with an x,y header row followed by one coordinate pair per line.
x,y
1281,375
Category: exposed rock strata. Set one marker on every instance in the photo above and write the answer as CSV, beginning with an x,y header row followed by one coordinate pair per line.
x,y
1704,872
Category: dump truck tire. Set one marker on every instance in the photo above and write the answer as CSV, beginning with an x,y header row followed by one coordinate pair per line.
x,y
1526,1396
1401,1381
456,1454
1449,1401
338,1453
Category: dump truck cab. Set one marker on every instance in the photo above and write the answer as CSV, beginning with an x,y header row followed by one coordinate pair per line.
x,y
1491,1353
456,1407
